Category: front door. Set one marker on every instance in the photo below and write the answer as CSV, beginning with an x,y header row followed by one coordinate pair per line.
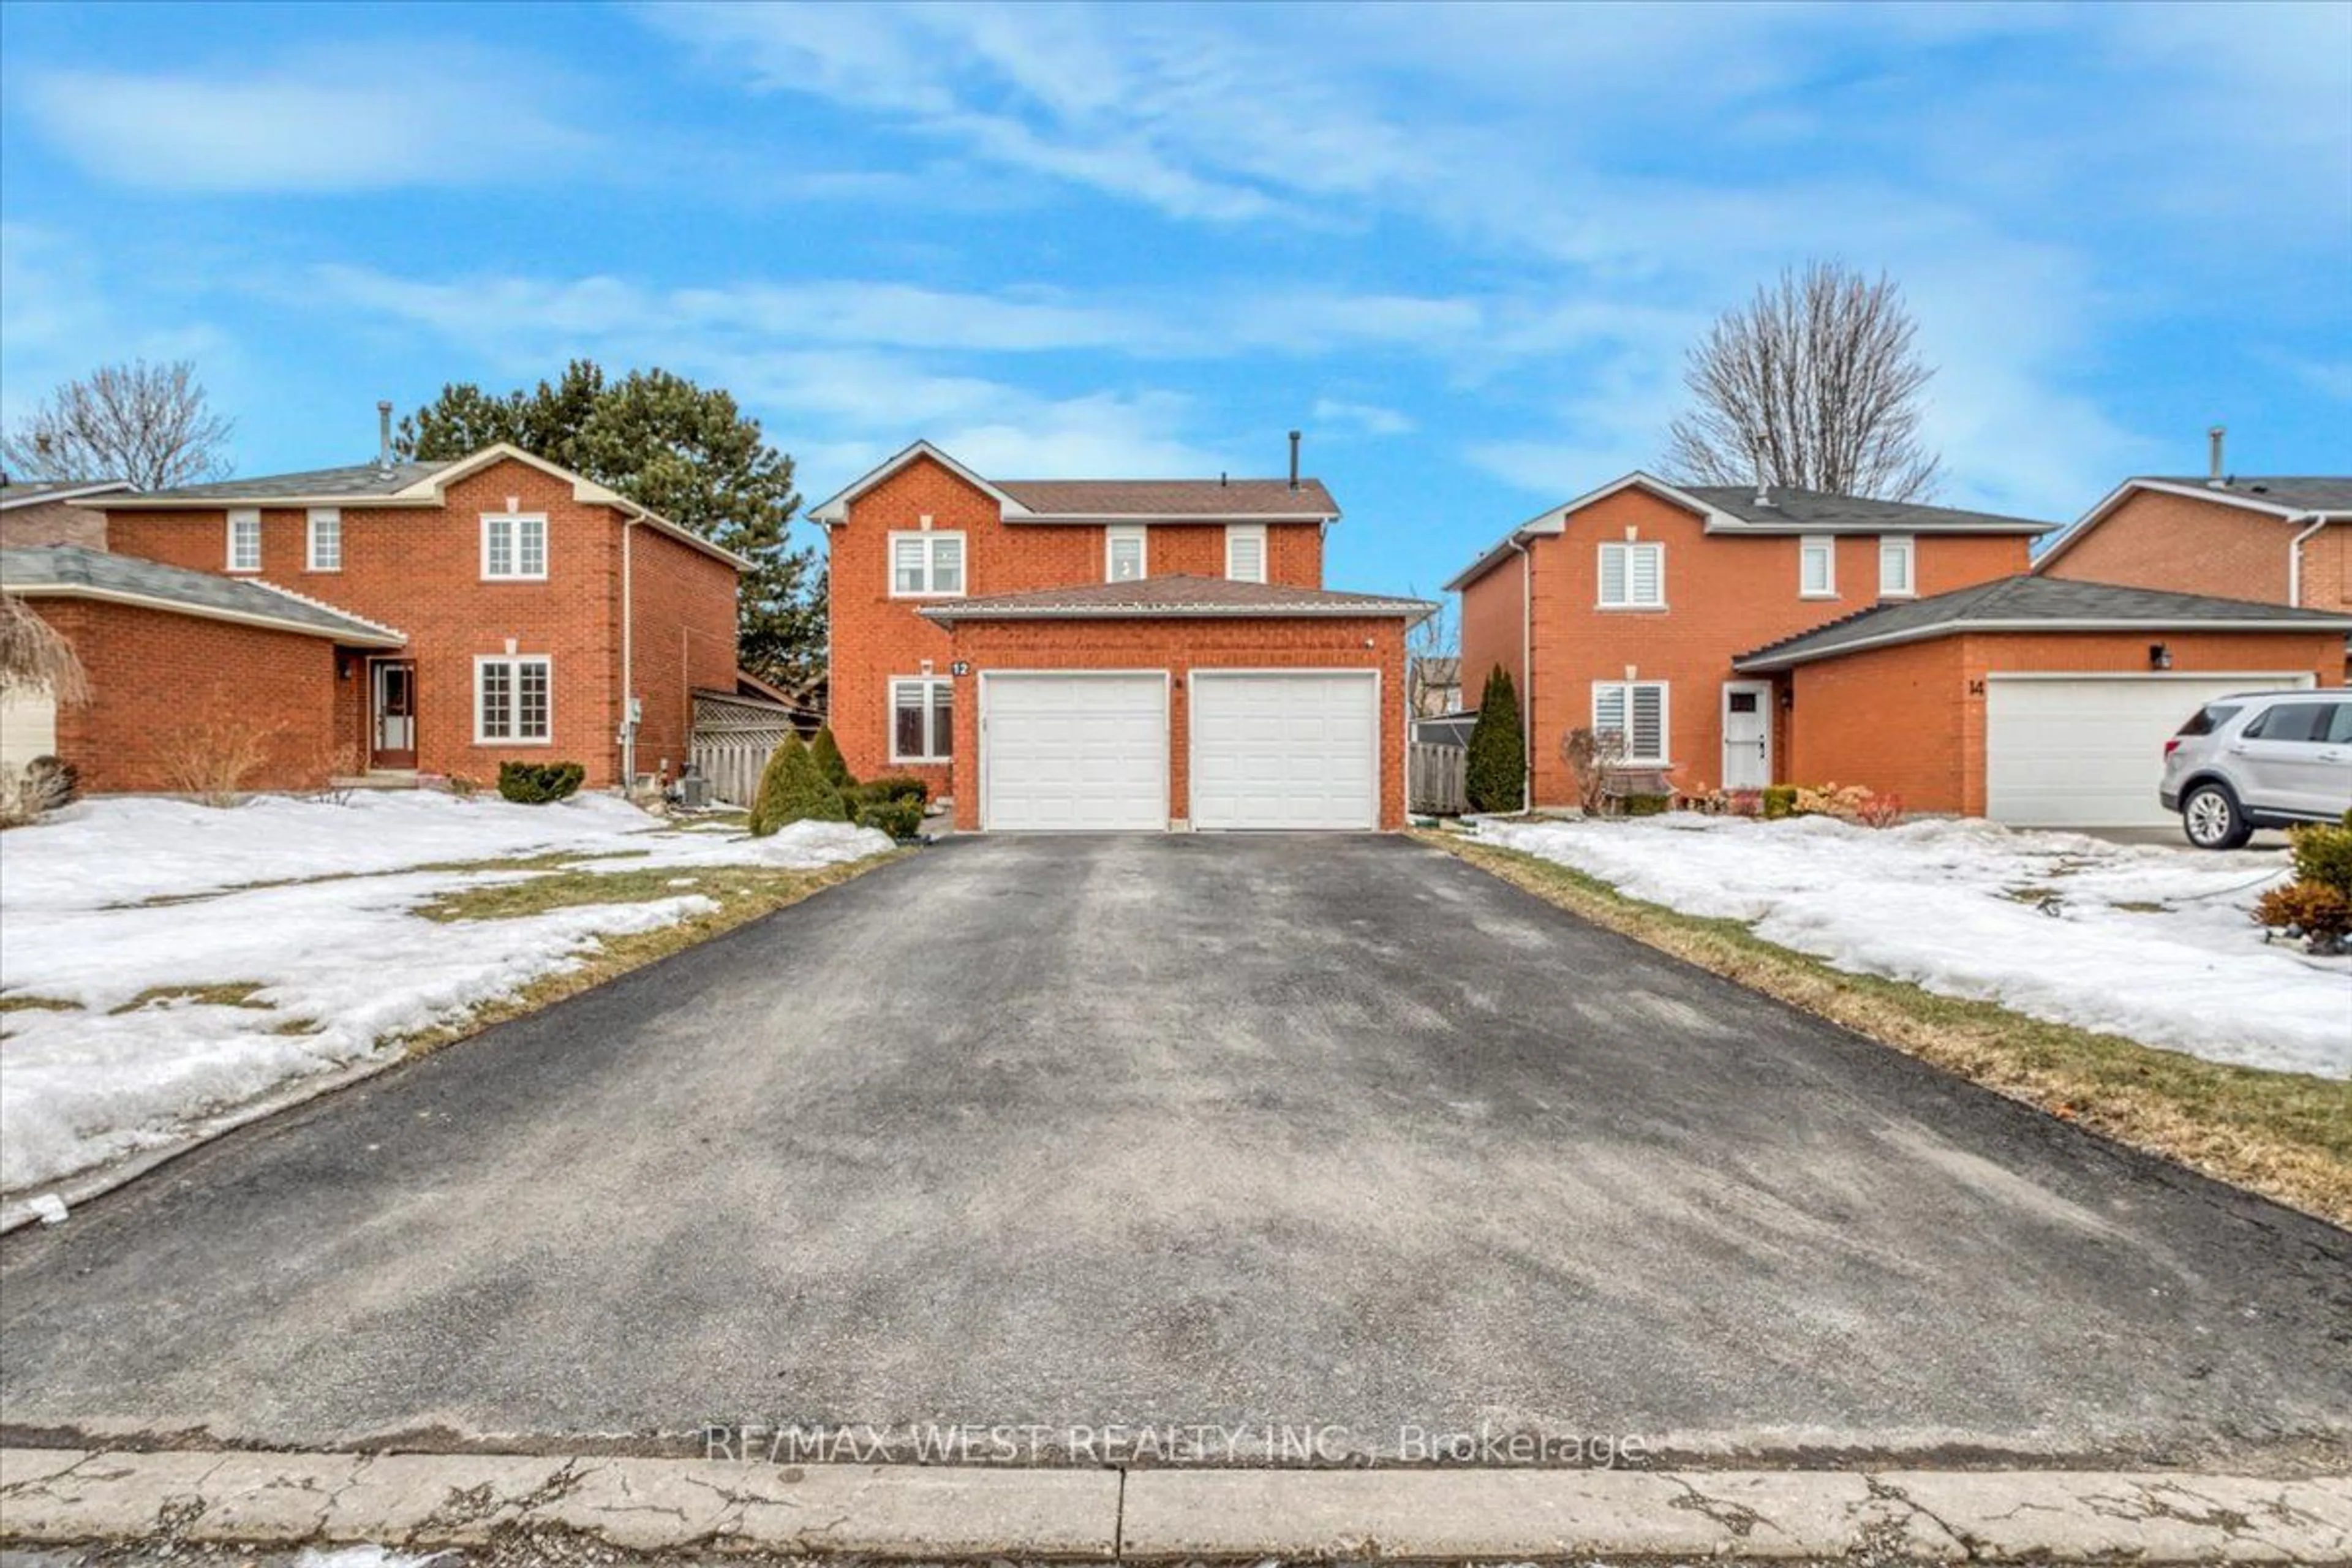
x,y
1747,734
394,741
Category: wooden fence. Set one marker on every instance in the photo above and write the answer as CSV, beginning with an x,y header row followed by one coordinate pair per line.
x,y
1437,779
732,760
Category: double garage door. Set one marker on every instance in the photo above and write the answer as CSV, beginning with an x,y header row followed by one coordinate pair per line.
x,y
2088,750
1090,749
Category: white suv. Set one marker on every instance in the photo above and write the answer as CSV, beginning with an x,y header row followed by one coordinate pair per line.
x,y
2266,759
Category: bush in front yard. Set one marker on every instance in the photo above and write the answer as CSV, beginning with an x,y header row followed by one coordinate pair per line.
x,y
892,790
1497,764
539,784
1645,805
2316,911
2324,855
899,818
793,788
827,752
1780,801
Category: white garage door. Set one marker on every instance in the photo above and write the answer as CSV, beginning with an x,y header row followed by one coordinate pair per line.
x,y
2088,752
29,727
1074,751
1287,749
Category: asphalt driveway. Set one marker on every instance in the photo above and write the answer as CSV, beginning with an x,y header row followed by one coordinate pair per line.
x,y
1320,1133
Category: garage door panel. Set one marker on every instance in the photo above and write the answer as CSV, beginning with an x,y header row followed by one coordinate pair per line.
x,y
2089,752
1287,749
1074,752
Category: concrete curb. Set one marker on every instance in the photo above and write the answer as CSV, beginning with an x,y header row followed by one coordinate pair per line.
x,y
55,1496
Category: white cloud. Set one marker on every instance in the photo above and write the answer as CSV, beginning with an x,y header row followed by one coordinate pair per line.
x,y
1364,418
341,120
59,321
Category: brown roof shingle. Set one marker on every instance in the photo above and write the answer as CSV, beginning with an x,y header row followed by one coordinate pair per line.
x,y
1173,498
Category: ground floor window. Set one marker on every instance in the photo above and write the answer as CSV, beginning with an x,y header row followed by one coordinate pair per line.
x,y
1637,710
922,720
512,699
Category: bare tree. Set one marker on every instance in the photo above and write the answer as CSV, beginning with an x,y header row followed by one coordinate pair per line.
x,y
35,657
1817,381
144,422
1431,640
1592,755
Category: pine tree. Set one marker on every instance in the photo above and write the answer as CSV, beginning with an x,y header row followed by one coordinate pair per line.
x,y
827,752
793,788
1498,750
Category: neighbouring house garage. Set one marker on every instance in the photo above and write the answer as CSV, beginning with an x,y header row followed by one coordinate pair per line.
x,y
2034,700
1179,701
191,670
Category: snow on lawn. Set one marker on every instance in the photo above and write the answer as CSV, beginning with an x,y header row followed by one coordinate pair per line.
x,y
340,964
2149,942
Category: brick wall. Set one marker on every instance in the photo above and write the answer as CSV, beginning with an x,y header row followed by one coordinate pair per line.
x,y
1493,630
2156,540
874,636
1911,719
1726,596
155,677
1179,646
685,638
419,570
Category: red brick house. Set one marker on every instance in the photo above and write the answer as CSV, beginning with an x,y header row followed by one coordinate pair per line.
x,y
1111,654
53,511
1698,622
2285,541
515,611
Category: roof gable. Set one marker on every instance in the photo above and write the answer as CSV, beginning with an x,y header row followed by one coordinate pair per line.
x,y
834,509
2289,499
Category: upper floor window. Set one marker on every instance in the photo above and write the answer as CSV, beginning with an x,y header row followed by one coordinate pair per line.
x,y
1895,574
513,700
1123,560
1632,576
326,553
926,566
245,540
1817,567
514,545
1245,552
1635,710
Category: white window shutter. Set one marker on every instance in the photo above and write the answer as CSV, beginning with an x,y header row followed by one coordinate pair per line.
x,y
1609,709
1648,564
1648,739
1612,574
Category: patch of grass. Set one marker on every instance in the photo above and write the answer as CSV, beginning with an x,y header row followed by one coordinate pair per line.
x,y
2287,1136
299,1026
224,993
744,894
25,1002
572,888
2141,907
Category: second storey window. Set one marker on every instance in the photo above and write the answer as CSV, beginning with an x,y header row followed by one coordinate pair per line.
x,y
1245,552
514,545
245,540
922,720
1895,559
926,566
1817,567
1123,555
513,700
326,539
1632,576
1637,710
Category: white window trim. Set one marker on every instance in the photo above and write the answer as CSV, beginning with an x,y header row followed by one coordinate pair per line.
x,y
931,712
1116,534
964,562
1910,547
320,514
1826,543
518,660
243,514
1247,530
546,546
1666,719
1601,574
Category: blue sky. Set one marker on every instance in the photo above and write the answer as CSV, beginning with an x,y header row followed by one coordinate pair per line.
x,y
1463,247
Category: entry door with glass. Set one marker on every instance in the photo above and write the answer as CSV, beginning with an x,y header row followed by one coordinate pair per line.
x,y
395,742
1747,734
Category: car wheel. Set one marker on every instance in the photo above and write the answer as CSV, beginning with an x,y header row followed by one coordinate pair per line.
x,y
2211,817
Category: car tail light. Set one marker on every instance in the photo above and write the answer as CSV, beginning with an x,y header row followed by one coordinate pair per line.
x,y
2172,746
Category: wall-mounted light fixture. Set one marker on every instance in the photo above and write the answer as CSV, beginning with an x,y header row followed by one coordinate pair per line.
x,y
2160,656
1788,696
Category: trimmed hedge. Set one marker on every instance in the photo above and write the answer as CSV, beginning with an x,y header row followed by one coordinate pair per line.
x,y
1645,805
890,787
793,788
539,784
900,819
1780,801
1497,764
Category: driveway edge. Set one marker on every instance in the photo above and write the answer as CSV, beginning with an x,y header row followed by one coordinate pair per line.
x,y
58,1497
